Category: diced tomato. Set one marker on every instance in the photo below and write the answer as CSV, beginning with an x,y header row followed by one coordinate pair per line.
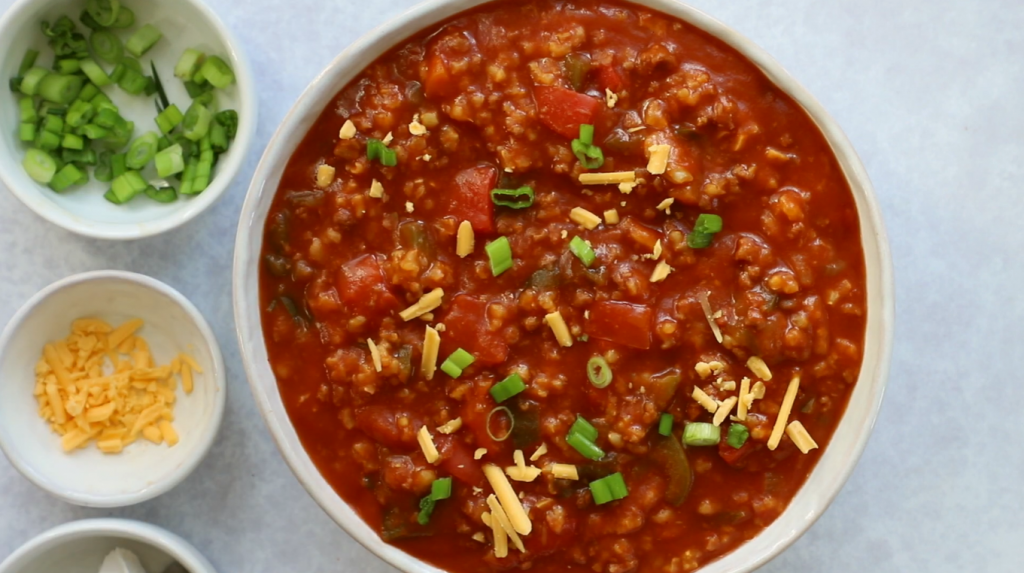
x,y
639,233
466,328
363,287
564,110
380,423
470,198
457,459
608,77
735,456
438,82
620,322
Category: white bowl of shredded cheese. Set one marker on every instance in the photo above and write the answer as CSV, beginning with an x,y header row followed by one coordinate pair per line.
x,y
81,546
112,389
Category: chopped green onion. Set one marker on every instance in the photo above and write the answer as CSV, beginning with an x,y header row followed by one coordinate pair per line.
x,y
599,372
218,137
161,194
708,223
507,388
27,110
511,421
67,66
586,134
117,165
441,489
583,251
499,251
94,132
142,151
56,88
52,123
72,141
457,362
106,46
586,448
217,72
127,186
189,177
47,140
39,165
65,178
125,18
589,155
426,510
95,73
229,119
737,436
117,74
204,170
85,156
132,81
169,118
188,64
142,40
665,424
697,240
103,171
79,113
515,198
584,428
170,161
375,149
88,92
27,132
107,118
609,488
31,79
701,434
196,123
27,61
103,11
389,158
195,90
15,84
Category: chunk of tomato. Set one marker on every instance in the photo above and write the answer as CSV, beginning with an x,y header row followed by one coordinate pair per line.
x,y
608,77
457,459
735,456
363,287
564,110
437,83
620,322
470,198
466,327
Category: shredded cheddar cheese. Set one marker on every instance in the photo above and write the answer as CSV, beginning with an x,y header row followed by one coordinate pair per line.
x,y
426,442
374,354
666,205
626,187
509,501
610,98
757,365
745,399
543,449
784,411
376,189
324,176
704,400
724,407
658,161
584,218
611,217
101,384
417,128
498,513
479,453
465,241
705,305
803,440
564,471
427,303
451,426
661,272
608,178
559,328
348,130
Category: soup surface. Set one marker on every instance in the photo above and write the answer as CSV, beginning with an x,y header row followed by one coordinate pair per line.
x,y
637,369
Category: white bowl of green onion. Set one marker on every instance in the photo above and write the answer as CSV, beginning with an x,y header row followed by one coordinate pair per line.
x,y
126,118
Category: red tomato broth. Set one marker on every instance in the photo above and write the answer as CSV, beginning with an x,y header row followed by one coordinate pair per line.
x,y
786,272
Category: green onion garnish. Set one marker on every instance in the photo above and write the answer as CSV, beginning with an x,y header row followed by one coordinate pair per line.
x,y
143,39
584,428
170,161
217,72
599,372
196,123
39,165
375,149
142,150
665,425
104,12
507,388
67,176
169,118
590,155
609,488
515,198
583,251
457,362
188,64
440,489
701,434
704,230
585,447
106,46
27,61
499,251
737,436
161,194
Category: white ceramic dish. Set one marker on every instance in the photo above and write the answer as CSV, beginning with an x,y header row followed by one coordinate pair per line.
x,y
847,443
143,470
80,546
83,210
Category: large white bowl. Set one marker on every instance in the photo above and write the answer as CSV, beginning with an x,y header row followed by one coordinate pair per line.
x,y
80,546
83,210
143,470
847,443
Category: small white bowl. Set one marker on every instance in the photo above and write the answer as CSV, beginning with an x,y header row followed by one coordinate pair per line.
x,y
83,210
143,470
851,435
80,546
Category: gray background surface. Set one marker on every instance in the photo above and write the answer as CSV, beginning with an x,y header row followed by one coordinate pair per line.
x,y
929,91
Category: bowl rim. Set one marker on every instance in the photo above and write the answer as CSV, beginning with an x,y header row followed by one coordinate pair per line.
x,y
248,116
870,388
170,543
202,447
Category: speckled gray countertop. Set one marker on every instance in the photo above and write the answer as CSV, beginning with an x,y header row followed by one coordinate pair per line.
x,y
929,91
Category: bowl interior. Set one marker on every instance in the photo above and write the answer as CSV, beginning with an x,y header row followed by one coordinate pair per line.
x,y
185,24
847,442
84,554
142,470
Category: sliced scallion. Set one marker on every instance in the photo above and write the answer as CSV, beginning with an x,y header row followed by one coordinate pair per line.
x,y
143,40
164,194
64,179
701,434
499,251
589,155
665,425
216,71
583,251
142,150
599,372
737,435
104,12
27,61
95,73
39,165
196,123
31,79
511,422
188,64
584,428
107,46
609,488
170,161
704,231
507,388
457,362
169,118
515,198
